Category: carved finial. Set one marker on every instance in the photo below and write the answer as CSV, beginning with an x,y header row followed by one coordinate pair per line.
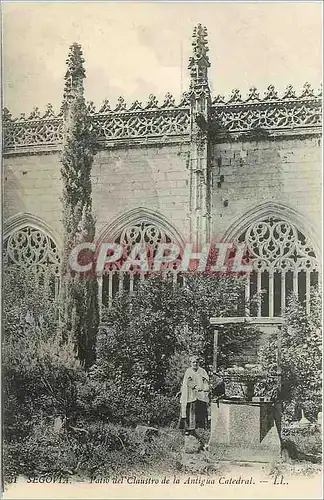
x,y
152,102
49,113
91,108
137,105
185,99
169,101
271,94
199,62
105,108
121,104
235,96
307,92
35,114
253,94
6,115
75,73
289,93
219,99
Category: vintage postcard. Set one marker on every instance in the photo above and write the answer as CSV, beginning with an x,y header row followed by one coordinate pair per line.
x,y
161,250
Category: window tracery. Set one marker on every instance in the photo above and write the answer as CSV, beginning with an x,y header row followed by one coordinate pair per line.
x,y
30,249
144,232
283,261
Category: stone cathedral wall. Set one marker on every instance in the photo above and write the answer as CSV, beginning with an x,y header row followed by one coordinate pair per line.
x,y
244,175
282,171
32,185
156,178
201,164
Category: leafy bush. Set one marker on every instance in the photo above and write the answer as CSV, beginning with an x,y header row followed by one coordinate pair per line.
x,y
40,373
301,360
142,352
121,404
40,379
143,347
304,443
28,306
98,449
178,364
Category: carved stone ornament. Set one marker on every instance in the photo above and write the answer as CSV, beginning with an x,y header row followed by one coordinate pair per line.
x,y
31,248
271,94
49,113
136,106
145,233
253,95
276,245
105,108
169,101
308,92
121,104
91,108
6,115
35,114
234,115
152,102
289,93
219,99
272,113
185,99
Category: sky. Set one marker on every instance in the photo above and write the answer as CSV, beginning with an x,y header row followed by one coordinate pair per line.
x,y
135,49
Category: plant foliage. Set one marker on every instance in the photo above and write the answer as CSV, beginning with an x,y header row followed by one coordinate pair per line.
x,y
301,359
79,292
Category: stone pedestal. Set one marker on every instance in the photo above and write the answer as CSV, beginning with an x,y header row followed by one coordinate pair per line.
x,y
245,431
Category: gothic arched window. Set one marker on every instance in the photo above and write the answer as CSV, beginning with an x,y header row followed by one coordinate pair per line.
x,y
30,249
283,261
145,232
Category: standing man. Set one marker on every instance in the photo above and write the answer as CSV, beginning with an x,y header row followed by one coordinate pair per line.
x,y
194,398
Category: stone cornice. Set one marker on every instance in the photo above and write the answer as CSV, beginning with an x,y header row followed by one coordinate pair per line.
x,y
270,116
169,123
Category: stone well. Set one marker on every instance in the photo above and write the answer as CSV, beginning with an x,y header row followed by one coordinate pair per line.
x,y
245,430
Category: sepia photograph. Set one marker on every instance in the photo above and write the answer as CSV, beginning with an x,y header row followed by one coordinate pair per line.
x,y
161,286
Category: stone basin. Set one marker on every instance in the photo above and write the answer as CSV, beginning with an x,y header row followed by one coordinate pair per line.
x,y
245,430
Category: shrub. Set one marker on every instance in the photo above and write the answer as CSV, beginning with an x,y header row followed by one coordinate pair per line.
x,y
123,405
304,443
178,364
146,338
40,373
87,451
301,360
40,379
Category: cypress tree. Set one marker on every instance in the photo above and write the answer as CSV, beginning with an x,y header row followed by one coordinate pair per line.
x,y
79,292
